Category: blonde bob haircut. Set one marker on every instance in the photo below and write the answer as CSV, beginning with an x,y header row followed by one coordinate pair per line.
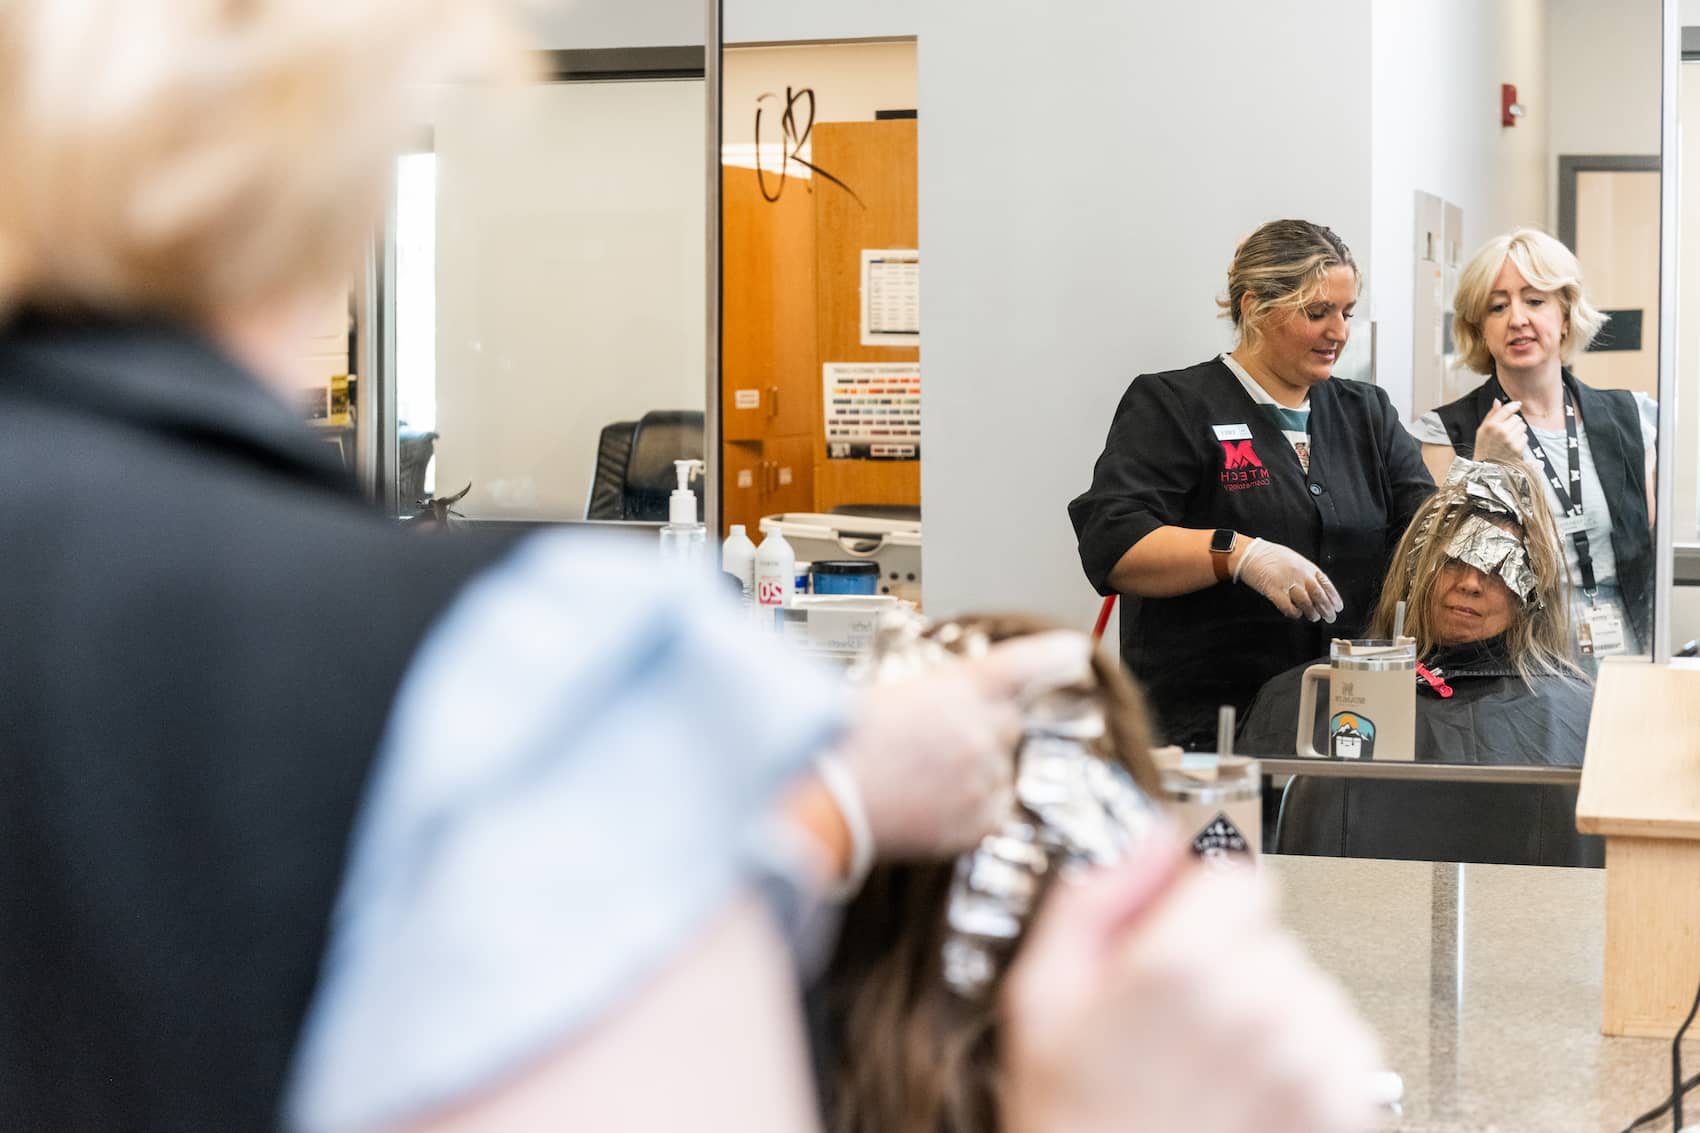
x,y
190,156
1283,267
1547,265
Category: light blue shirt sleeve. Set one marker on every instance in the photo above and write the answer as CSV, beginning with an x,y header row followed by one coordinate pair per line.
x,y
574,770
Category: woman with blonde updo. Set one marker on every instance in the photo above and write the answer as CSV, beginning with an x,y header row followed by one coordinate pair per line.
x,y
1245,507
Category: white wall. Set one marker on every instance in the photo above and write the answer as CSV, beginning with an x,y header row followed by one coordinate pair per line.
x,y
587,24
1435,96
1605,79
850,80
1084,179
570,281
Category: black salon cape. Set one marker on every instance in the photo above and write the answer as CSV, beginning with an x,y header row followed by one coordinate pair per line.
x,y
1172,459
1492,716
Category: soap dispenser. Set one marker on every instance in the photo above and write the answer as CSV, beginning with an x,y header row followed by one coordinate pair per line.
x,y
683,538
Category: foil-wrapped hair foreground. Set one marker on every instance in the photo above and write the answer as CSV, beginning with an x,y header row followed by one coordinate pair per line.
x,y
1487,489
1071,807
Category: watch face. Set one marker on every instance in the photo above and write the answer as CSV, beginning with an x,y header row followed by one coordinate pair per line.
x,y
1221,541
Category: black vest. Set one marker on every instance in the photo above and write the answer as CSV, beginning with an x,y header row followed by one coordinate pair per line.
x,y
1614,436
202,628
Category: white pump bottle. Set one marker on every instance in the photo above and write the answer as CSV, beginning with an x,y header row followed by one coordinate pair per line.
x,y
683,539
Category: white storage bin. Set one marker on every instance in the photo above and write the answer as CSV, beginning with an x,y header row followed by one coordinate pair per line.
x,y
893,543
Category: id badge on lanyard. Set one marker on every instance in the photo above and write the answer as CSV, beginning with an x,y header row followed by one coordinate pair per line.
x,y
1599,625
1599,630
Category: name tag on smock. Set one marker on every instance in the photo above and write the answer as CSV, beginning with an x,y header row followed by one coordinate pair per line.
x,y
1232,432
1600,630
1569,525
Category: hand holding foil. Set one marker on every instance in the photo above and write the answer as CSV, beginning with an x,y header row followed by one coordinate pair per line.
x,y
932,747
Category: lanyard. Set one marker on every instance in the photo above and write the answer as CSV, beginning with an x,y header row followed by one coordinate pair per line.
x,y
1569,496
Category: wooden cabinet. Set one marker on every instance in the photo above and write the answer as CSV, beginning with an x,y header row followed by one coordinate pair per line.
x,y
768,477
791,298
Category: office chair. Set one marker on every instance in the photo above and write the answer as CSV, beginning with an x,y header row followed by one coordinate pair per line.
x,y
634,465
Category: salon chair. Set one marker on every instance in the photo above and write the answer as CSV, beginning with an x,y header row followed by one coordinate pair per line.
x,y
1412,820
634,465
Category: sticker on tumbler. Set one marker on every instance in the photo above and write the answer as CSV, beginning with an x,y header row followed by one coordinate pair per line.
x,y
1219,839
1351,735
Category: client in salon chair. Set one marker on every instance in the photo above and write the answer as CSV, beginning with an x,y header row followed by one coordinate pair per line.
x,y
1484,585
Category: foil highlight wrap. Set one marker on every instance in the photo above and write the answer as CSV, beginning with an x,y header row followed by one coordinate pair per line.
x,y
1071,809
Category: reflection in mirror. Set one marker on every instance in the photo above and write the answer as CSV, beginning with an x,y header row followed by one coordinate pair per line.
x,y
1264,483
820,398
549,292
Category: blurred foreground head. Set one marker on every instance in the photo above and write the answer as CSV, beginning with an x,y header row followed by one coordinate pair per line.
x,y
911,993
185,157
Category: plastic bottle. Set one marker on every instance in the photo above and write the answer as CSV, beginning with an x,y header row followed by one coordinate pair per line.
x,y
775,578
738,559
683,538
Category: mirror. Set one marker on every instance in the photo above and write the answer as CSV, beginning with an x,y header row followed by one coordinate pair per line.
x,y
546,280
1082,189
820,255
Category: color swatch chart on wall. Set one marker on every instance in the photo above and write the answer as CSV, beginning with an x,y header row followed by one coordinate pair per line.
x,y
873,409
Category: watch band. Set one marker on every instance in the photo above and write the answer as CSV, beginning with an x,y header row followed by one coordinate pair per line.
x,y
1219,556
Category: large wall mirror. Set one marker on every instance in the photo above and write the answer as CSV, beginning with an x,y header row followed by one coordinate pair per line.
x,y
544,280
1081,186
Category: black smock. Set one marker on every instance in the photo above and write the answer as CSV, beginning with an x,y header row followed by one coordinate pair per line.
x,y
1165,465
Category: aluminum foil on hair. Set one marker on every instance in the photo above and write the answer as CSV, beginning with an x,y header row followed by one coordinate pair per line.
x,y
1071,808
1494,488
1494,551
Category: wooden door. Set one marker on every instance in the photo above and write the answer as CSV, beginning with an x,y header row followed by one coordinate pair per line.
x,y
877,160
1617,241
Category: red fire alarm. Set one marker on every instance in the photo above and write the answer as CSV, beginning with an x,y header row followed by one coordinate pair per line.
x,y
1509,108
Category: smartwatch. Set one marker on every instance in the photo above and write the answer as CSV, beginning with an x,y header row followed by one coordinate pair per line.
x,y
1222,542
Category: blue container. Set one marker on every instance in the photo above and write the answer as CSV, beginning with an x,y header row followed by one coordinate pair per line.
x,y
861,576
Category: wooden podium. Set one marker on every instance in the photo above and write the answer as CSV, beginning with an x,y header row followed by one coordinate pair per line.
x,y
1641,790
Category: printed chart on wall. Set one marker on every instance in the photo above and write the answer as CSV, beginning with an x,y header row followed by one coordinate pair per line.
x,y
891,297
873,409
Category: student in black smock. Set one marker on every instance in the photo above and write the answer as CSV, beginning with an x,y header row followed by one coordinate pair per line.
x,y
1245,507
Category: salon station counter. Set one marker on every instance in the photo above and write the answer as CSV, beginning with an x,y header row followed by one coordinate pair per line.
x,y
1484,983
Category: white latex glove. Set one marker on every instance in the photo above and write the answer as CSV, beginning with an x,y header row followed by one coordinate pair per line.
x,y
1296,586
933,757
1187,1008
1502,435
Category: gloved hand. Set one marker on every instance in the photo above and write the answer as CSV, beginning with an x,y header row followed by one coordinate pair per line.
x,y
933,757
1502,435
1138,1001
1296,586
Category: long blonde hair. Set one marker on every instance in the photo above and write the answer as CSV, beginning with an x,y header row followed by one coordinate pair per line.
x,y
1538,639
186,156
907,1054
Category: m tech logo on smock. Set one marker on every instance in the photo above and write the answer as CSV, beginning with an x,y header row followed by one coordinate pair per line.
x,y
1241,466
